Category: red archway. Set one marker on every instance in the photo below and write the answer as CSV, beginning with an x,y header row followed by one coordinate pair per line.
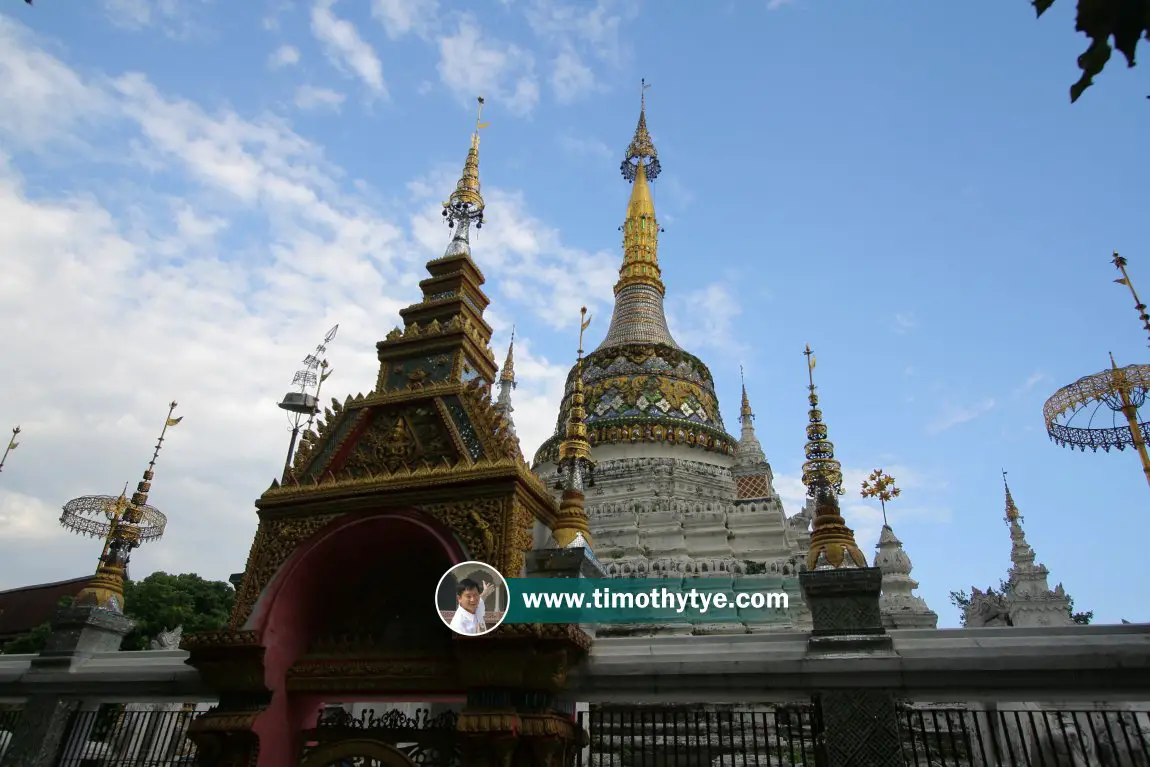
x,y
359,570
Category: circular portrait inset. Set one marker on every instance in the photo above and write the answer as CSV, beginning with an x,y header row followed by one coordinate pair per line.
x,y
472,598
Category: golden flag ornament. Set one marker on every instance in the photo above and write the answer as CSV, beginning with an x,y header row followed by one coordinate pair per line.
x,y
174,421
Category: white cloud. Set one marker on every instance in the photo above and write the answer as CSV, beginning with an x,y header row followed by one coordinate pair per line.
x,y
904,322
774,5
537,271
173,17
471,65
111,317
40,98
309,97
704,319
956,415
284,56
597,27
401,17
1031,381
584,146
579,32
345,48
570,77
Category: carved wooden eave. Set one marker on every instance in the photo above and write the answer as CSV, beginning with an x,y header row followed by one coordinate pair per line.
x,y
407,489
487,451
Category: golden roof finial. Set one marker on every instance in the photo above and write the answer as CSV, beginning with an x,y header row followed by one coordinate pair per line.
x,y
745,414
576,427
124,533
507,374
465,206
1012,513
821,469
833,544
641,229
1120,263
880,485
12,445
575,465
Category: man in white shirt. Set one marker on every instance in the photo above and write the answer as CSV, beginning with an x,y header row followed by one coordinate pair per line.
x,y
469,618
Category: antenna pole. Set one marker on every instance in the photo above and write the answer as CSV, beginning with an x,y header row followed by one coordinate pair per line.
x,y
301,403
12,445
323,374
291,448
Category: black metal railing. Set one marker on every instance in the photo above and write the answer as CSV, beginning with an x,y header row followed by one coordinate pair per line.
x,y
8,716
1047,738
787,736
641,736
645,736
115,736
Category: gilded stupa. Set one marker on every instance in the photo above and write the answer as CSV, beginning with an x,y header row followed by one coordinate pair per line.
x,y
674,491
641,386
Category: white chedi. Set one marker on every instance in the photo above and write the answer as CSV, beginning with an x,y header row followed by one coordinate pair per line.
x,y
900,606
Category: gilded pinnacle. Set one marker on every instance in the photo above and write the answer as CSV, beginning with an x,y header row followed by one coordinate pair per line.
x,y
1120,263
832,542
641,229
1012,513
12,445
745,414
465,206
575,465
821,469
507,374
124,534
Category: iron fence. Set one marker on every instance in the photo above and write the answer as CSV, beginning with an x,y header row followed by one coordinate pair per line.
x,y
644,736
8,717
116,735
788,736
1047,738
640,736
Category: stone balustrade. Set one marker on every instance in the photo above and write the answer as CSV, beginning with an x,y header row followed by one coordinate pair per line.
x,y
1095,663
125,676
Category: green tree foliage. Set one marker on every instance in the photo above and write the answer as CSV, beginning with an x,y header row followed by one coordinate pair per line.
x,y
161,602
961,600
1123,21
157,603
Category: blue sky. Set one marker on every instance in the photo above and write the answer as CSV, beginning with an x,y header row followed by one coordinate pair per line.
x,y
191,195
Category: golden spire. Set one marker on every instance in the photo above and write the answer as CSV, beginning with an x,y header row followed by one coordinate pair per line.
x,y
106,589
465,205
1120,263
745,414
641,229
1129,409
507,374
575,465
1012,514
12,445
832,542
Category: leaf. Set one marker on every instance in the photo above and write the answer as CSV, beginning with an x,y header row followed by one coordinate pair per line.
x,y
1124,21
1042,6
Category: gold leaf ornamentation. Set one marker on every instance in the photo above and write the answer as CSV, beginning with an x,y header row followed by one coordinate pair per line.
x,y
276,540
